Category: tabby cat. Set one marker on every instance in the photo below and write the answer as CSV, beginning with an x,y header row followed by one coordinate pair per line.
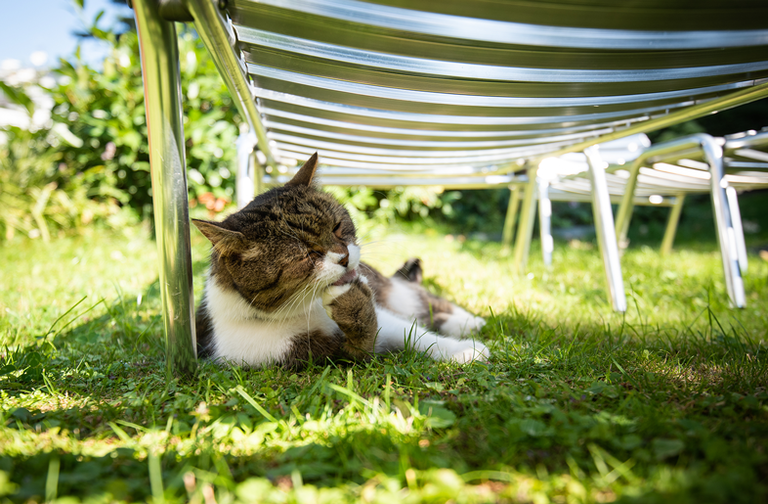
x,y
286,285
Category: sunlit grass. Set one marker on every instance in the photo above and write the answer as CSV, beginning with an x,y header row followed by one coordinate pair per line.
x,y
578,404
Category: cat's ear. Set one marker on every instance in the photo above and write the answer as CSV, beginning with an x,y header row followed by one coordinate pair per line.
x,y
305,174
224,240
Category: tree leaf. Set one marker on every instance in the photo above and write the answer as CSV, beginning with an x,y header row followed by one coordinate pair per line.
x,y
17,96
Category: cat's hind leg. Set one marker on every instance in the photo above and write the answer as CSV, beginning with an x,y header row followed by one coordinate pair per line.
x,y
458,323
396,333
409,298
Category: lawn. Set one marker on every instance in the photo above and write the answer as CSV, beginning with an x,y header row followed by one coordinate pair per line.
x,y
667,403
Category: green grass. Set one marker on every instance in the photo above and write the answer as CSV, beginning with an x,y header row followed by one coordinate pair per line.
x,y
667,403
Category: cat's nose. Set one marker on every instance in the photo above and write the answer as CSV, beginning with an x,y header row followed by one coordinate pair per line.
x,y
340,254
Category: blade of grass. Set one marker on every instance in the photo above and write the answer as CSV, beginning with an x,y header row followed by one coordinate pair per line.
x,y
239,389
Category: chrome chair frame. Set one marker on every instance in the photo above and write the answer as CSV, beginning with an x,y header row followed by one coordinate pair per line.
x,y
394,110
162,97
668,188
722,187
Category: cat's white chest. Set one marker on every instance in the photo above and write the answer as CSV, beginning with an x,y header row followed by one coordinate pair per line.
x,y
244,336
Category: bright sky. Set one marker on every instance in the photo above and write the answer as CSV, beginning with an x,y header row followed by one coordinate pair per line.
x,y
29,28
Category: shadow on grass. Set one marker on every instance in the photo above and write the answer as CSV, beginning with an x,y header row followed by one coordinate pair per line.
x,y
660,413
127,337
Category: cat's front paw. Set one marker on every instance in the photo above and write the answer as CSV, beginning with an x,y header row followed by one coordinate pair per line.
x,y
331,294
351,307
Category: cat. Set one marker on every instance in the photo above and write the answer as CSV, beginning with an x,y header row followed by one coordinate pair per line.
x,y
286,286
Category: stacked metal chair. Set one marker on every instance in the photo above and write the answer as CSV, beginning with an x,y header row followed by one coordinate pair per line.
x,y
461,94
637,173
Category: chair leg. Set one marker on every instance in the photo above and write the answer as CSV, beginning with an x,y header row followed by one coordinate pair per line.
x,y
674,219
733,204
258,172
162,96
624,214
525,227
509,221
606,234
545,222
724,221
244,181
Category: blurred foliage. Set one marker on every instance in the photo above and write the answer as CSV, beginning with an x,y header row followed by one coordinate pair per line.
x,y
396,204
36,195
107,108
91,158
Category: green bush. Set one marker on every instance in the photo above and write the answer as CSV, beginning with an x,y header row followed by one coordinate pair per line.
x,y
36,198
106,109
396,204
92,157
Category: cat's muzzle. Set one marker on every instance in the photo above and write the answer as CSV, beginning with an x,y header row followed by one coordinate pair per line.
x,y
347,277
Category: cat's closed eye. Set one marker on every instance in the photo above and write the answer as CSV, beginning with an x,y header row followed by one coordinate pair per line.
x,y
337,230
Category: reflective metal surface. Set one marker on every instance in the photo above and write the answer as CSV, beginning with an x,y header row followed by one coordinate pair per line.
x,y
468,70
726,233
663,174
219,39
545,220
162,96
673,168
509,221
375,84
671,229
246,169
525,226
656,152
606,236
478,94
507,31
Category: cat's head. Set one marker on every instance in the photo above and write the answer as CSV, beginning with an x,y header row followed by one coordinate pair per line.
x,y
285,247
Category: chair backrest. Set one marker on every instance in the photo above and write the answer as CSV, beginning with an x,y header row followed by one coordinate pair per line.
x,y
458,91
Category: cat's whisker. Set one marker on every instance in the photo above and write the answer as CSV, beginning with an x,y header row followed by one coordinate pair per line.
x,y
306,294
375,243
308,311
282,313
368,243
295,300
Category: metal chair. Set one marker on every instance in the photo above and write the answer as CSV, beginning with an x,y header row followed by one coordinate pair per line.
x,y
662,175
464,93
701,163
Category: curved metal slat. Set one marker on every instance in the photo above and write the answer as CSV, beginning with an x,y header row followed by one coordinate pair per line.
x,y
510,32
378,81
318,82
376,41
368,121
309,49
286,121
451,114
288,132
413,158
